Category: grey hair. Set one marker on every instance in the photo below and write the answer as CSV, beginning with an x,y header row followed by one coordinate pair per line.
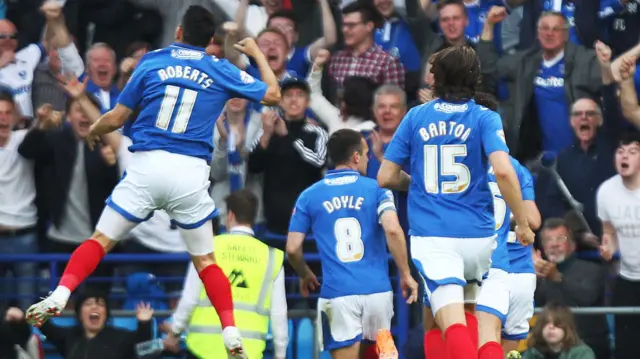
x,y
565,20
99,45
598,109
390,89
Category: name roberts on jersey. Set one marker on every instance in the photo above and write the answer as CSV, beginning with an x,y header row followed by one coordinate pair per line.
x,y
187,73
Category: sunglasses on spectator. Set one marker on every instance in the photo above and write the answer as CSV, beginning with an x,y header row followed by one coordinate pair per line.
x,y
590,113
9,36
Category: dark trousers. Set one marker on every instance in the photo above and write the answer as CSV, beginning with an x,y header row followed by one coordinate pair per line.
x,y
626,293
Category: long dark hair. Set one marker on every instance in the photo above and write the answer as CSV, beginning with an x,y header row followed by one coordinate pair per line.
x,y
456,73
561,317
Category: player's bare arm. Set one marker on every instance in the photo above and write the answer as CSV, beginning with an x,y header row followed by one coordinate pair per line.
x,y
296,259
108,123
392,176
398,248
510,189
628,96
249,47
533,215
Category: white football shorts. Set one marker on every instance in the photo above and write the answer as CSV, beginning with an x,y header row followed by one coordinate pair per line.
x,y
521,289
350,319
442,262
494,294
153,180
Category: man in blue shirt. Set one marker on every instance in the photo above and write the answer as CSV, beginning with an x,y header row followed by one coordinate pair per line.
x,y
350,216
180,92
449,143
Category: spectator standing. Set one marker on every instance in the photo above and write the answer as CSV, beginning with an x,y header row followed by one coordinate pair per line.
x,y
236,131
290,152
355,105
15,335
257,279
555,336
101,71
77,179
572,282
62,56
618,204
92,336
18,215
300,58
544,81
362,56
589,160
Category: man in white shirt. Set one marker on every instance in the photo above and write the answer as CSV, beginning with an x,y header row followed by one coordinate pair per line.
x,y
241,213
18,214
618,201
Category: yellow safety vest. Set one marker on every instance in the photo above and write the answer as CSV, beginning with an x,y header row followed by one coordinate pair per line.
x,y
251,267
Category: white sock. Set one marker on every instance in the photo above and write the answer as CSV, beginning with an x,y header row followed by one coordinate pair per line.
x,y
61,294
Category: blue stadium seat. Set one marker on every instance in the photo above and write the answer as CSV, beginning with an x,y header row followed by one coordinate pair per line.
x,y
64,321
125,323
305,339
292,337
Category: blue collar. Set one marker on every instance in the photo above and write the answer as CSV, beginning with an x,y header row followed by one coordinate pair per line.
x,y
342,172
177,44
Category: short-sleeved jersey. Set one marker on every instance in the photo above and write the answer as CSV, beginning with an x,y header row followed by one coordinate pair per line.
x,y
520,260
448,145
342,211
507,243
181,91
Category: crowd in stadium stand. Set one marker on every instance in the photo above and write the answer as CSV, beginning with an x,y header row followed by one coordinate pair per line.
x,y
564,73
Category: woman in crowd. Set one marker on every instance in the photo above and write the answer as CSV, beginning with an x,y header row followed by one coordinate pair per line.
x,y
555,337
92,336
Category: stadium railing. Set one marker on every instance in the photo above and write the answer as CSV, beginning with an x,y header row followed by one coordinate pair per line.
x,y
56,263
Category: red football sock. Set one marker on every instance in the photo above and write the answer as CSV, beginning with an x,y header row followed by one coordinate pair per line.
x,y
370,353
491,350
458,342
472,326
434,347
82,263
219,292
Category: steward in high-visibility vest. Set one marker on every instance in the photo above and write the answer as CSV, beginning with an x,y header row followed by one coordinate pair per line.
x,y
251,267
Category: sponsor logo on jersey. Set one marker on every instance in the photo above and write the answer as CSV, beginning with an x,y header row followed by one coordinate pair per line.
x,y
450,108
246,78
185,54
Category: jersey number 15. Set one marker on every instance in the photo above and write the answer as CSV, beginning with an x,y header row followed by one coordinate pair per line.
x,y
446,166
169,101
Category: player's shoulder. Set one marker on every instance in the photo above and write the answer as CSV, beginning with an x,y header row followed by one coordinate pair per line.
x,y
313,190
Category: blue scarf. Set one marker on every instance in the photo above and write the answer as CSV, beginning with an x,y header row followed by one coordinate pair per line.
x,y
235,161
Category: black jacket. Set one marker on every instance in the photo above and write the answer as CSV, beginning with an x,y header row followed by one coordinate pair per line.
x,y
56,151
12,334
110,343
290,164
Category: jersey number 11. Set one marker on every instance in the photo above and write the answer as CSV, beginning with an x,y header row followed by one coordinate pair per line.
x,y
188,100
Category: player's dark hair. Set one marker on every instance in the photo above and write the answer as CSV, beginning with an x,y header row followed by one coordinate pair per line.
x,y
368,13
342,144
627,138
444,3
286,14
456,73
198,26
244,205
92,98
272,30
561,317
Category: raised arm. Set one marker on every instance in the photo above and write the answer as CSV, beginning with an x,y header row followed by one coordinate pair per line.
x,y
57,35
628,95
249,47
330,35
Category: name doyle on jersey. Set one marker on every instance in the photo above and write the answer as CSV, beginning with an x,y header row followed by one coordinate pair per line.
x,y
187,73
443,128
343,202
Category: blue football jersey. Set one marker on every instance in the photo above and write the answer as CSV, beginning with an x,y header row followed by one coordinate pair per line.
x,y
520,260
502,213
447,145
181,91
342,211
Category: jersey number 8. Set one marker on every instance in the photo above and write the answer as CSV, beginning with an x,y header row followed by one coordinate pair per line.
x,y
447,166
171,94
349,245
